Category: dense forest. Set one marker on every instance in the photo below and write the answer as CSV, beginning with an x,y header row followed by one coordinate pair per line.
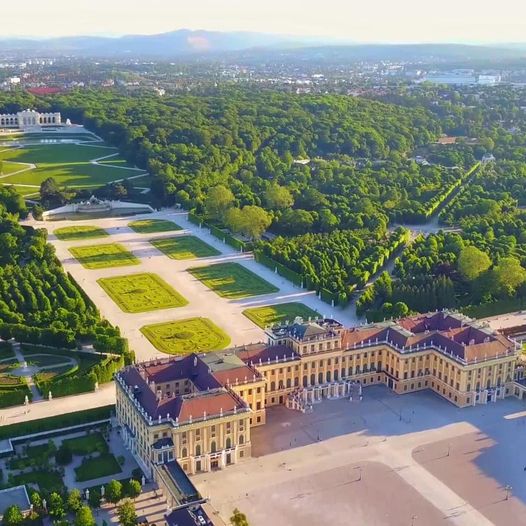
x,y
39,303
325,179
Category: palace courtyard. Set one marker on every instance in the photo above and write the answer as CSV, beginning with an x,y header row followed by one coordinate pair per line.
x,y
388,460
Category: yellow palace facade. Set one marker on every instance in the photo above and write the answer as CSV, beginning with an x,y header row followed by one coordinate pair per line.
x,y
198,410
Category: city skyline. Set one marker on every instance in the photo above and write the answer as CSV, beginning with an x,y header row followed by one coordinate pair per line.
x,y
407,21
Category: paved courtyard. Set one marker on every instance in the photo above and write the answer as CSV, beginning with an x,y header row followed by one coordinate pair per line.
x,y
225,313
388,460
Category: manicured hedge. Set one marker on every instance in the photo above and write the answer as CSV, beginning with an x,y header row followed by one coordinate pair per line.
x,y
273,265
217,232
23,333
10,397
56,422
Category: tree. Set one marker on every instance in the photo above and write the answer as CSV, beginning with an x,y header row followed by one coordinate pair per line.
x,y
133,488
84,517
472,262
327,221
56,506
74,502
12,516
217,201
113,491
238,518
50,194
36,500
507,276
63,456
399,310
126,514
278,197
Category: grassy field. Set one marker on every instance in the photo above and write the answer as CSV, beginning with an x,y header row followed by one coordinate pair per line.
x,y
45,480
149,226
141,293
233,281
271,314
184,247
66,163
85,445
97,467
104,256
185,336
74,233
10,167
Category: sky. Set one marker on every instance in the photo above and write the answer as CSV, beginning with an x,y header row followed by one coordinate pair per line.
x,y
353,20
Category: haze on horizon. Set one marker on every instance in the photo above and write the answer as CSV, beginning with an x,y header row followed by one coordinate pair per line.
x,y
403,21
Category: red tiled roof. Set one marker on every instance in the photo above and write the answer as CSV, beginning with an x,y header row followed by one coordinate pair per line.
x,y
238,374
44,90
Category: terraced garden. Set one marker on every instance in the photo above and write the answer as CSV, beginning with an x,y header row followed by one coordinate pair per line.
x,y
184,247
141,292
232,280
186,336
104,256
74,233
272,314
150,226
69,164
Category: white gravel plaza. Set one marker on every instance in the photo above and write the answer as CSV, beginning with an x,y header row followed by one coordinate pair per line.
x,y
389,460
225,313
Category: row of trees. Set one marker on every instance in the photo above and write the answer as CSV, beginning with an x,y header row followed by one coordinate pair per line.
x,y
447,270
72,509
339,262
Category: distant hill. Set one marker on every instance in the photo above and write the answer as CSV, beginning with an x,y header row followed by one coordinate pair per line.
x,y
187,43
172,44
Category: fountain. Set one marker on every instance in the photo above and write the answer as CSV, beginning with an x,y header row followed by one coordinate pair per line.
x,y
25,370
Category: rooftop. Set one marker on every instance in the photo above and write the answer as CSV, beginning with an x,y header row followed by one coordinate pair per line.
x,y
450,333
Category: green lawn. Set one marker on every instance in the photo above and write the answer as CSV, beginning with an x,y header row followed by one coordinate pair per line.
x,y
104,256
231,280
41,360
66,163
9,167
149,226
85,445
271,314
141,292
95,468
74,233
186,336
184,247
48,481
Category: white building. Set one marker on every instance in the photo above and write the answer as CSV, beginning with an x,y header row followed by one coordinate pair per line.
x,y
29,119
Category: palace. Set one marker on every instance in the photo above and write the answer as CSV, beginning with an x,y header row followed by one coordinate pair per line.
x,y
197,411
29,119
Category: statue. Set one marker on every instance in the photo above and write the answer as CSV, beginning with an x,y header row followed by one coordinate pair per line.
x,y
44,504
102,490
87,494
143,480
26,400
49,396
